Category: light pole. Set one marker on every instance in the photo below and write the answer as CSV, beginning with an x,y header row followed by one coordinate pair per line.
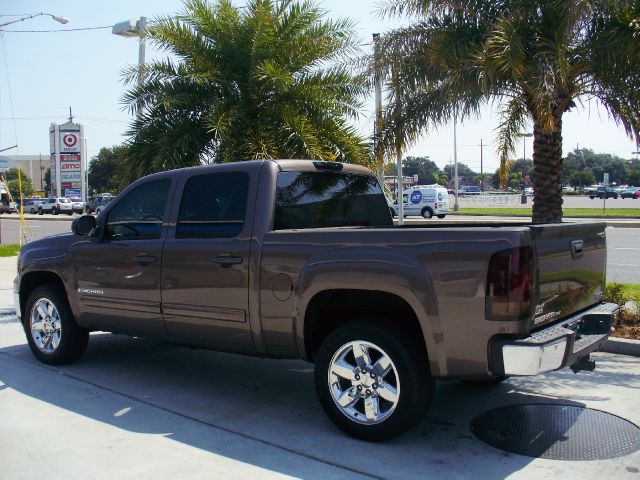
x,y
456,206
57,18
135,28
523,198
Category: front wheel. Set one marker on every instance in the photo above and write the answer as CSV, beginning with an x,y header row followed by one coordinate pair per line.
x,y
52,332
40,212
373,381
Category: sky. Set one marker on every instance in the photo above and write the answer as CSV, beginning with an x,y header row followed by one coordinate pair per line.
x,y
43,74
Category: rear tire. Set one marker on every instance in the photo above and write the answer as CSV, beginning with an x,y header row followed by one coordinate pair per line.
x,y
54,336
426,213
391,371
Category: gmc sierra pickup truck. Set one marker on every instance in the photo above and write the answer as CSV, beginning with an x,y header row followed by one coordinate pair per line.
x,y
301,259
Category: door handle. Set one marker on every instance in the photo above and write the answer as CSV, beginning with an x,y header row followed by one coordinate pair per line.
x,y
227,260
144,259
577,248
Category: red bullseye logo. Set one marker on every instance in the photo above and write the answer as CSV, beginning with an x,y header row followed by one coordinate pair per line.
x,y
70,140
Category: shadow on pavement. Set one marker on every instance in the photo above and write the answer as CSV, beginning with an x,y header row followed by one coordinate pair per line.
x,y
273,402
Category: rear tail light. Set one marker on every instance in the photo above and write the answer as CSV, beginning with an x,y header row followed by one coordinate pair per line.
x,y
57,205
509,293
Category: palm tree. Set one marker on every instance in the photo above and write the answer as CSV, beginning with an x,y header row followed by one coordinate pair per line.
x,y
268,80
534,59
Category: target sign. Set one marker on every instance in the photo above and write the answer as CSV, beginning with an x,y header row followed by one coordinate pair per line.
x,y
69,142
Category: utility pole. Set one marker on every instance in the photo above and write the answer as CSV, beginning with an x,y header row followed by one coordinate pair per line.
x,y
481,168
456,207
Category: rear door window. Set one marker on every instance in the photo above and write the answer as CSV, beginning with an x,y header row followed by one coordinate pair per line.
x,y
213,205
329,199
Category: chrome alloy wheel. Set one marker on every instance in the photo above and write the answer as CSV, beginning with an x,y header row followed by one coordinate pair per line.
x,y
364,382
46,327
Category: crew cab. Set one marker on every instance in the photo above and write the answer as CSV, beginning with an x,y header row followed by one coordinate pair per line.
x,y
301,259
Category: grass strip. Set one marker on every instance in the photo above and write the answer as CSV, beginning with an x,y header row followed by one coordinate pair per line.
x,y
10,250
567,212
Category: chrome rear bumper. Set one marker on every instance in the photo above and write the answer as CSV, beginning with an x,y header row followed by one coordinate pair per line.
x,y
551,348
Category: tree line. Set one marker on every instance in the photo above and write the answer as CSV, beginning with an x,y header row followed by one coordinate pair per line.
x,y
278,79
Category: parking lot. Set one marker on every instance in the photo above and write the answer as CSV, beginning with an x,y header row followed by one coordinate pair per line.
x,y
133,408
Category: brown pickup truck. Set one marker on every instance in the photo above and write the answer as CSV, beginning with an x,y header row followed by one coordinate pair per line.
x,y
300,259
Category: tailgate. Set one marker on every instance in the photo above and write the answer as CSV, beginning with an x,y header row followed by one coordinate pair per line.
x,y
572,260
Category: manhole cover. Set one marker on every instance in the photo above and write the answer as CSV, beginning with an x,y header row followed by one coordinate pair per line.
x,y
559,432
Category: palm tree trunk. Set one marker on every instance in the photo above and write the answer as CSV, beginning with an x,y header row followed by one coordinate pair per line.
x,y
547,174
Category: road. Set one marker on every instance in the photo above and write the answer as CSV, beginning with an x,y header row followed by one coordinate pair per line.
x,y
623,244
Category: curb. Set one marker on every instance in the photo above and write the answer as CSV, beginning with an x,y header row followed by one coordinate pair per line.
x,y
622,346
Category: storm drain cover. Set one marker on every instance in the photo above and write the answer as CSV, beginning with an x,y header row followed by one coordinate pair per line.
x,y
559,432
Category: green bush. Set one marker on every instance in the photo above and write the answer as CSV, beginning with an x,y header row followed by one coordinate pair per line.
x,y
629,303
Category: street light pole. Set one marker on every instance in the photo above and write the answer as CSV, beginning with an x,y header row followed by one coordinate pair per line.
x,y
456,206
135,28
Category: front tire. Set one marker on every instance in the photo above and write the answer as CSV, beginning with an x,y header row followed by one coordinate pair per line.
x,y
373,381
54,336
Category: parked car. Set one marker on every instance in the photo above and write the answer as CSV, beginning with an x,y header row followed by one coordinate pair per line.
x,y
592,189
31,205
528,191
631,192
97,203
102,205
56,205
77,204
601,191
467,190
8,207
300,259
568,189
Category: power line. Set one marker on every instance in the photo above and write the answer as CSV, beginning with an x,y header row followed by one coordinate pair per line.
x,y
58,31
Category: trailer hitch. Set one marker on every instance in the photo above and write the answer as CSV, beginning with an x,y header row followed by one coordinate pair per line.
x,y
584,364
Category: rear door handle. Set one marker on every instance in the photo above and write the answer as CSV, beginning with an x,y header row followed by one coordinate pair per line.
x,y
227,260
144,259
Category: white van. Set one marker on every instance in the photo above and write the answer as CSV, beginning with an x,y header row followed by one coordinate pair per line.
x,y
424,200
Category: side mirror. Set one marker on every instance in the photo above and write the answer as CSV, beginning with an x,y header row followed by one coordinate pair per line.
x,y
84,225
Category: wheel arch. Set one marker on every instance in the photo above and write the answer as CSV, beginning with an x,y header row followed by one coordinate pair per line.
x,y
32,280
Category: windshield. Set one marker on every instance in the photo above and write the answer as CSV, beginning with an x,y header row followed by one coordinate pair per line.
x,y
328,199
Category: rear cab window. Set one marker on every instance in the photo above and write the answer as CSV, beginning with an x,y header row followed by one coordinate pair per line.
x,y
317,199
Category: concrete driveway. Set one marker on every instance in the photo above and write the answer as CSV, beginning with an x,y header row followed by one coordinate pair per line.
x,y
134,408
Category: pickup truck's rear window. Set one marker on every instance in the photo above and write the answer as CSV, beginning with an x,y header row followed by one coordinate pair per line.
x,y
328,199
